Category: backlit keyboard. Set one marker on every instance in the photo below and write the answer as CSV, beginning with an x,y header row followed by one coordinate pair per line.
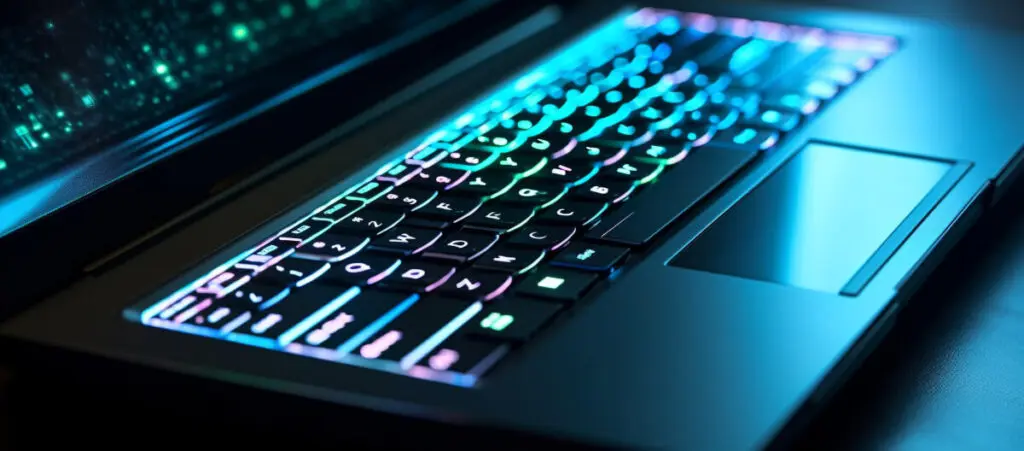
x,y
469,244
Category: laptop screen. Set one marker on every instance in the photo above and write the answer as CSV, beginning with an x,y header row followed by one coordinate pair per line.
x,y
93,89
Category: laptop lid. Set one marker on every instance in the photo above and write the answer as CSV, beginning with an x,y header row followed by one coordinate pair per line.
x,y
168,98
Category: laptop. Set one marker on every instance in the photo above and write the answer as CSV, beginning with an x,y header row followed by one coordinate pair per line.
x,y
676,225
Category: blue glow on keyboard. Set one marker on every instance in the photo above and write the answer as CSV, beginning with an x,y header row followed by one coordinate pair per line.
x,y
627,92
361,337
317,316
440,336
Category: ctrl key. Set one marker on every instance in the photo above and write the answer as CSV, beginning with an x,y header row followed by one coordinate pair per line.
x,y
463,355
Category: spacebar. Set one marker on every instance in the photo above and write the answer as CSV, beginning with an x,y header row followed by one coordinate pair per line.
x,y
642,219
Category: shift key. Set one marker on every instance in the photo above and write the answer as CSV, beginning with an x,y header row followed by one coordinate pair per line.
x,y
641,220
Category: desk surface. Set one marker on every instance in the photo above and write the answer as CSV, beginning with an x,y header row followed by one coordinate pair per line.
x,y
951,374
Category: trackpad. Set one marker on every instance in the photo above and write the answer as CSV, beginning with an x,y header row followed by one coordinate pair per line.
x,y
819,219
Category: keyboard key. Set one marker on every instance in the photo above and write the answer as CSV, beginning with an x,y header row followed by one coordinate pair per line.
x,y
439,179
679,100
721,115
811,85
338,210
838,75
563,127
499,217
419,276
499,139
427,156
640,122
638,171
462,355
746,139
487,183
543,236
550,144
746,102
405,198
573,213
605,190
399,174
569,173
295,271
607,105
412,328
477,284
773,120
287,315
669,150
533,192
369,222
461,246
590,257
620,135
469,159
184,308
366,268
521,163
558,284
746,58
354,316
259,291
405,240
332,247
639,221
791,103
267,255
692,134
580,121
511,259
515,319
650,117
600,154
214,314
524,120
306,230
449,209
369,191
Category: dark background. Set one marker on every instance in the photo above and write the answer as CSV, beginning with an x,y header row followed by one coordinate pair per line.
x,y
950,375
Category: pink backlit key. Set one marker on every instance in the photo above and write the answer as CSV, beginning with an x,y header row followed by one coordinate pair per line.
x,y
462,355
412,335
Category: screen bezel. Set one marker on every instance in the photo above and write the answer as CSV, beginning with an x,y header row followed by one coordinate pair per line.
x,y
55,248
